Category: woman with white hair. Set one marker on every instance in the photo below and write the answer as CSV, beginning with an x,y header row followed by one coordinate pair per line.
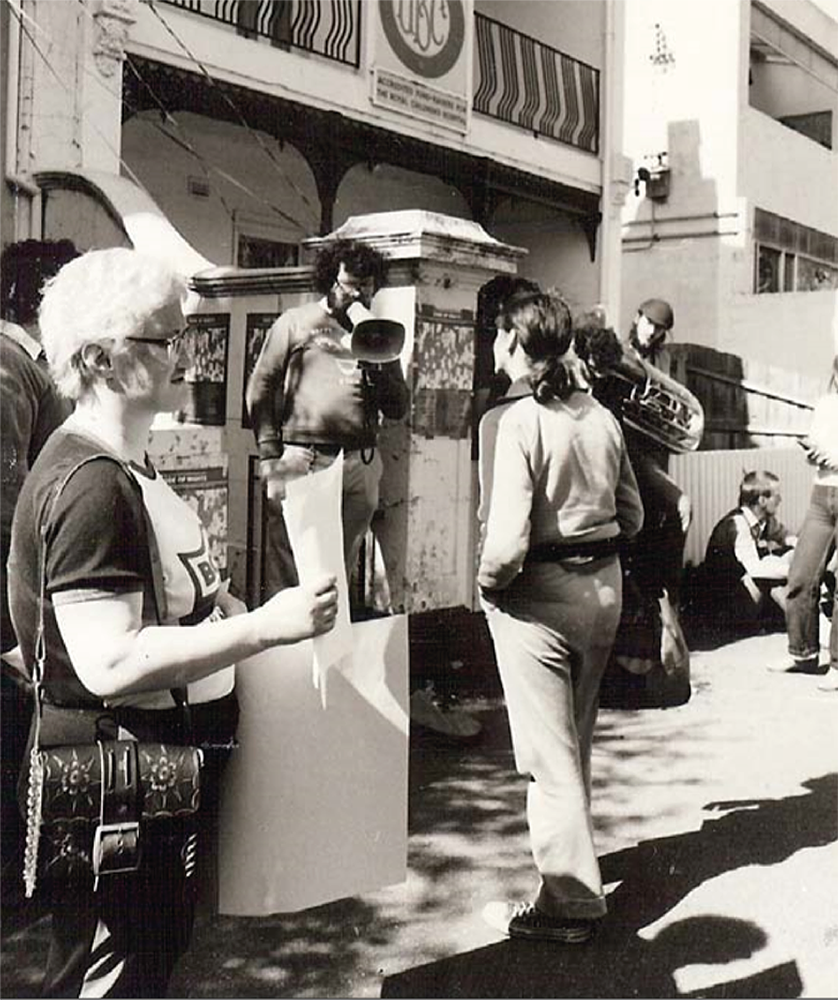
x,y
140,636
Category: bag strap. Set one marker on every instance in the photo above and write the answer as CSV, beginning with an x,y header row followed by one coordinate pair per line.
x,y
159,602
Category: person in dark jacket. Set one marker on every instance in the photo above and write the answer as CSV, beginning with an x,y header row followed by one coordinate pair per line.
x,y
746,566
309,398
30,410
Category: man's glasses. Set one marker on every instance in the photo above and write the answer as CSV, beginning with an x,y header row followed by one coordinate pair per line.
x,y
174,344
366,287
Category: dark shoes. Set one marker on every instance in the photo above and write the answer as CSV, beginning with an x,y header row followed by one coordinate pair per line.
x,y
810,666
523,920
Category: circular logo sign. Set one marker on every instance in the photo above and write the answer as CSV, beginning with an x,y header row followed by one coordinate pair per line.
x,y
426,35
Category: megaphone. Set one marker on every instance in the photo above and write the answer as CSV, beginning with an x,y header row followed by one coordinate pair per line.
x,y
374,340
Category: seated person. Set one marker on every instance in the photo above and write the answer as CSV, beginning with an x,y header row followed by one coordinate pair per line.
x,y
748,556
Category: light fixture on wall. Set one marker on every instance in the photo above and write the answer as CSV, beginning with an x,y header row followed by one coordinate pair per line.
x,y
655,177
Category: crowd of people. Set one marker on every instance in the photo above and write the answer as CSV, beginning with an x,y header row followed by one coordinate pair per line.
x,y
121,618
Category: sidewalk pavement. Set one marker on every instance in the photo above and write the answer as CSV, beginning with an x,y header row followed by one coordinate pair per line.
x,y
716,826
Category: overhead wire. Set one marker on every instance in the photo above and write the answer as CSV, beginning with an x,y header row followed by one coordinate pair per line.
x,y
21,16
184,143
180,141
225,96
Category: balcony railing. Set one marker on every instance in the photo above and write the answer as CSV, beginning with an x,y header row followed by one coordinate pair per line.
x,y
329,28
517,79
523,82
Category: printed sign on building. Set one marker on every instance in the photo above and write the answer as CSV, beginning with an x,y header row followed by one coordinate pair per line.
x,y
421,60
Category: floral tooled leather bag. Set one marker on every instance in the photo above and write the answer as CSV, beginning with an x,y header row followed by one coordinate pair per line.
x,y
90,805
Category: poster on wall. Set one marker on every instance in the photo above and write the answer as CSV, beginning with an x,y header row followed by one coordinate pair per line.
x,y
443,374
255,331
420,66
207,375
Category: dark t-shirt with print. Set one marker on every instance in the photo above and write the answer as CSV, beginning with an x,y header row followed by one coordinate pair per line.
x,y
96,539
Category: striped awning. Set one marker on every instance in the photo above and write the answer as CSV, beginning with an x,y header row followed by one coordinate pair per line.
x,y
520,81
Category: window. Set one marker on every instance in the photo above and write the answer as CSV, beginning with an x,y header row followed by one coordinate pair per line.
x,y
769,265
792,258
253,251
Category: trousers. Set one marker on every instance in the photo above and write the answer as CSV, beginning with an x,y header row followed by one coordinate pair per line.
x,y
814,545
553,629
359,503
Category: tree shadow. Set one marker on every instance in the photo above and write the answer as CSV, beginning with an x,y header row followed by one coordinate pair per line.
x,y
654,877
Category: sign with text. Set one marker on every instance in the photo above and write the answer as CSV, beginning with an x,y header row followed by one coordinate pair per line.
x,y
421,58
417,99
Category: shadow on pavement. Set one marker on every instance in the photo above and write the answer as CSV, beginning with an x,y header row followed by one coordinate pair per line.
x,y
654,876
607,967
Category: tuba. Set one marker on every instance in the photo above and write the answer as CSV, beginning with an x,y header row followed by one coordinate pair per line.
x,y
647,400
655,405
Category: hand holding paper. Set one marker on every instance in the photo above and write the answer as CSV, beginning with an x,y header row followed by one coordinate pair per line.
x,y
313,517
301,612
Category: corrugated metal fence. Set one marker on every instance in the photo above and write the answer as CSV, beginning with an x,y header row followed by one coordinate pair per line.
x,y
711,480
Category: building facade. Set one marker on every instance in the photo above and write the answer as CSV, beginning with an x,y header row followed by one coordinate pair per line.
x,y
730,119
256,124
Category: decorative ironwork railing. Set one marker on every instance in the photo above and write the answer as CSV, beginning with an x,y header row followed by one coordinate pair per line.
x,y
519,80
329,28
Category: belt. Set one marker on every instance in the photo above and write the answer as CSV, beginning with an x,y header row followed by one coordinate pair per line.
x,y
557,551
324,449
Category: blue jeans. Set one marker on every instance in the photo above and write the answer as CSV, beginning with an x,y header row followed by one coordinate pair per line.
x,y
817,536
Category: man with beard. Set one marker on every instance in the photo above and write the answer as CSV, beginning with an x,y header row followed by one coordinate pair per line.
x,y
309,399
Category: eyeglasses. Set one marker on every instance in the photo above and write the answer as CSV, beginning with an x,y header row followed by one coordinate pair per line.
x,y
364,287
174,343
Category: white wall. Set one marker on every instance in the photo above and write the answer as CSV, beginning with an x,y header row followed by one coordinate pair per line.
x,y
788,174
283,196
780,90
700,89
571,26
798,330
558,250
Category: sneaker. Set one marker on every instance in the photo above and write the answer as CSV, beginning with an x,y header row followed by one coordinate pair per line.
x,y
429,712
810,666
523,920
830,681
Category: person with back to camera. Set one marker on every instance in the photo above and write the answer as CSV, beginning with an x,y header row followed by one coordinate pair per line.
x,y
816,544
136,624
30,410
557,493
309,398
745,572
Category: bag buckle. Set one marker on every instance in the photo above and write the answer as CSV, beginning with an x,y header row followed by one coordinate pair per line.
x,y
116,849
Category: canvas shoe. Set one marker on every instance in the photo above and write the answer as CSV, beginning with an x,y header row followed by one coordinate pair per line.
x,y
830,681
523,920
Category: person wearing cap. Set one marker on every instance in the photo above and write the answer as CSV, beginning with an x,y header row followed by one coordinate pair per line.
x,y
652,323
649,631
309,399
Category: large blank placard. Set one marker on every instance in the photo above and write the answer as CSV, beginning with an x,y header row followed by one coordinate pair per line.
x,y
314,803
